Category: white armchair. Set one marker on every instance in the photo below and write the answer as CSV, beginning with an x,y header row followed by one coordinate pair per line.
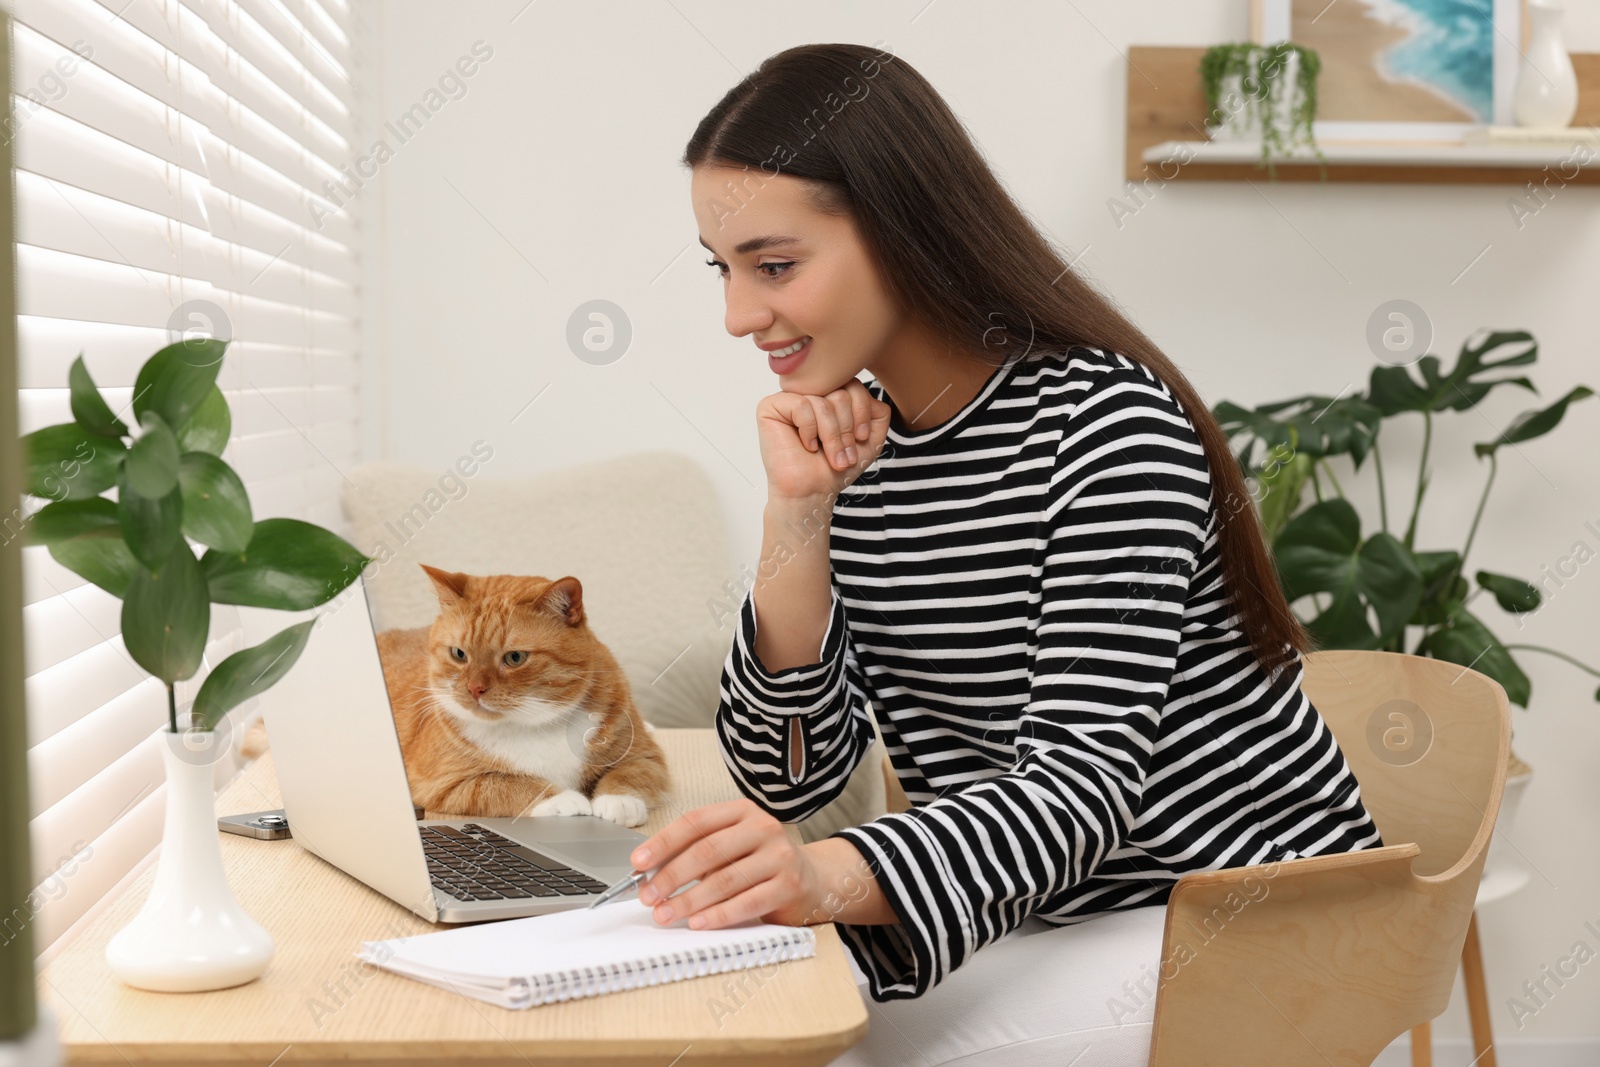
x,y
643,533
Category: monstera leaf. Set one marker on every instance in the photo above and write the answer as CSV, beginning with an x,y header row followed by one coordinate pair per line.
x,y
1443,588
1393,390
1322,551
1314,426
1531,424
1464,639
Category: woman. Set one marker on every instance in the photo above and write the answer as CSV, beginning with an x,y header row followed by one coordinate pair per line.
x,y
1026,543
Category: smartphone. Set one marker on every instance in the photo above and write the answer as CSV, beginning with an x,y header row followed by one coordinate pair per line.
x,y
270,825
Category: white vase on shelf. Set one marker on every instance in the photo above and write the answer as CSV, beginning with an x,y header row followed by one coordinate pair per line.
x,y
1235,121
1238,118
191,935
1547,84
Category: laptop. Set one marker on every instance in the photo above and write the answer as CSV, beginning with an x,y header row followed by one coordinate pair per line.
x,y
343,782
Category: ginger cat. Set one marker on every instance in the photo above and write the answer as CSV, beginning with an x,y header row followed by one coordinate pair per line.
x,y
509,705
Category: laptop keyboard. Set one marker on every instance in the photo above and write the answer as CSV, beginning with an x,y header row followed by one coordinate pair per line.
x,y
475,863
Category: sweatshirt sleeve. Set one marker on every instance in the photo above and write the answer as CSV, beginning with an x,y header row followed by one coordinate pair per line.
x,y
1125,518
819,707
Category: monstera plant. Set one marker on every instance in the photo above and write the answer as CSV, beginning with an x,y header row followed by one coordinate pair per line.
x,y
1376,588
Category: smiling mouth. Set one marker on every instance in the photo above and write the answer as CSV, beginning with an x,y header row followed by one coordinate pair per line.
x,y
798,354
791,350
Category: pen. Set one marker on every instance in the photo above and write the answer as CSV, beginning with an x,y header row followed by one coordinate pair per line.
x,y
627,883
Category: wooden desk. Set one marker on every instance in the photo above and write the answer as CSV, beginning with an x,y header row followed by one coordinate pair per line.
x,y
318,1004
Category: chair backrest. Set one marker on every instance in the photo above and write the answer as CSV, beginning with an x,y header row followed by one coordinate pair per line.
x,y
1420,737
1330,958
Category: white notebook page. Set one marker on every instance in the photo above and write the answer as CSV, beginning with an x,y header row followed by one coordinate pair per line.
x,y
617,932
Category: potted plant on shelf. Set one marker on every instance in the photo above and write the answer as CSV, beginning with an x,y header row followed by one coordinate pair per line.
x,y
173,486
1374,590
1263,91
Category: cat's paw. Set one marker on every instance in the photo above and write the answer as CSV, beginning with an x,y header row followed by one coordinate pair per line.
x,y
566,802
625,809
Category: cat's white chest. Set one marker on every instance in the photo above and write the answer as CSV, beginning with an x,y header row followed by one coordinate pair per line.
x,y
551,748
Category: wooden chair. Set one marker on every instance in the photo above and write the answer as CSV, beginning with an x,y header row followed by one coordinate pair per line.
x,y
1328,959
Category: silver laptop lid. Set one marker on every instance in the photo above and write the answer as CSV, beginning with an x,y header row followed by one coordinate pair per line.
x,y
337,754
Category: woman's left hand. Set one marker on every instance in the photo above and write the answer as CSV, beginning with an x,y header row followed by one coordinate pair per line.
x,y
747,867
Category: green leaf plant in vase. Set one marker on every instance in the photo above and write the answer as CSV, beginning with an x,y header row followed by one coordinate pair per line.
x,y
1267,92
172,487
1375,588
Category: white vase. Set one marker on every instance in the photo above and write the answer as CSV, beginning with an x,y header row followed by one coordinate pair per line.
x,y
191,934
1234,121
1518,775
1547,85
1241,119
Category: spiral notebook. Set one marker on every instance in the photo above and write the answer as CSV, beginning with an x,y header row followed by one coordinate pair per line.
x,y
542,959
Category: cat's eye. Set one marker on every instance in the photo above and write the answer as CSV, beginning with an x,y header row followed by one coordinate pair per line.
x,y
459,655
515,658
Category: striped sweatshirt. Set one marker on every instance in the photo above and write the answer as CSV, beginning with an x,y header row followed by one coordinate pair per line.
x,y
1029,598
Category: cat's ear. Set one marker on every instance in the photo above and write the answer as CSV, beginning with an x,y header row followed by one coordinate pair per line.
x,y
450,585
563,598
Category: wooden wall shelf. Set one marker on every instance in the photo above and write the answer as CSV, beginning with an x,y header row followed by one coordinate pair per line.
x,y
1167,103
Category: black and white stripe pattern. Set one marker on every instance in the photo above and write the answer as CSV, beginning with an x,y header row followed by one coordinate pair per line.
x,y
1030,595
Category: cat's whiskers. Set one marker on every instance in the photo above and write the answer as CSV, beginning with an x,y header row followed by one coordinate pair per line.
x,y
548,712
444,700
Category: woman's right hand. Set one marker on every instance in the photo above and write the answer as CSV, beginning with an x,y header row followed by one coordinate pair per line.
x,y
804,440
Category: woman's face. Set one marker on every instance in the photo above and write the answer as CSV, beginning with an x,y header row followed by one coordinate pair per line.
x,y
791,273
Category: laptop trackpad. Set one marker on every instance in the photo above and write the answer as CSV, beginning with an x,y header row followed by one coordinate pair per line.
x,y
592,853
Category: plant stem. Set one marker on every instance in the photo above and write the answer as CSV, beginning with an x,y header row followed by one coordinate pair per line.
x,y
1559,655
1383,494
1422,477
1337,488
1482,500
1472,532
172,709
1316,483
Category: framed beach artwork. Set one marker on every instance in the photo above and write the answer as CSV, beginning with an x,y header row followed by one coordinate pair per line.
x,y
1403,70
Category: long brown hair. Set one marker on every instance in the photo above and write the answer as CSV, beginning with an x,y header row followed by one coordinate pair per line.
x,y
880,146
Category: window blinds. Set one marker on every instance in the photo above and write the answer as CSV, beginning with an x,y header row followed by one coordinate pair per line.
x,y
168,153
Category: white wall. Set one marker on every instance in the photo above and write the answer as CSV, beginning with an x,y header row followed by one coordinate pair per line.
x,y
554,181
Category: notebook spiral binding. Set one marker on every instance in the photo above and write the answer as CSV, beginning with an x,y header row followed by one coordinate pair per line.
x,y
653,970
